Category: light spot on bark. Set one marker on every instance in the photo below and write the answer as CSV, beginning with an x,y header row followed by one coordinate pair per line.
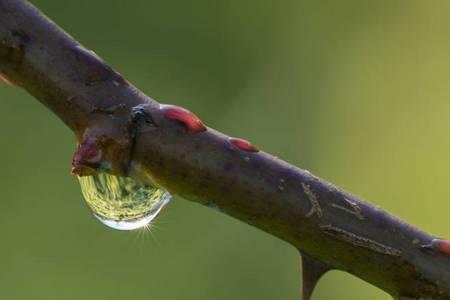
x,y
359,241
353,209
312,197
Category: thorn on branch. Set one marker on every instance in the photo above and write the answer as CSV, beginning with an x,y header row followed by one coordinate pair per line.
x,y
312,271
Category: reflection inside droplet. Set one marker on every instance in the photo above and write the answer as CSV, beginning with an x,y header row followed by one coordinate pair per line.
x,y
121,202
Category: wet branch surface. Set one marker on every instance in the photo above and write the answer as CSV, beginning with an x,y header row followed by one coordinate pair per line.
x,y
119,127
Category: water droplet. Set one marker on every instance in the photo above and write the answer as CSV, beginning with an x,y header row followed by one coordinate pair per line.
x,y
121,202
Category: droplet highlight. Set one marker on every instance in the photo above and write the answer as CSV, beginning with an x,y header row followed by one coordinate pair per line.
x,y
122,203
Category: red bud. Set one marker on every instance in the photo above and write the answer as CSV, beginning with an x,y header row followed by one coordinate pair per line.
x,y
243,145
187,118
86,158
441,246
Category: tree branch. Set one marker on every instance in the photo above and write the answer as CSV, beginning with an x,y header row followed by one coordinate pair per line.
x,y
173,149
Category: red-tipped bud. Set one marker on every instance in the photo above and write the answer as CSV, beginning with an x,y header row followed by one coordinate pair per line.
x,y
75,169
187,118
441,246
87,159
243,145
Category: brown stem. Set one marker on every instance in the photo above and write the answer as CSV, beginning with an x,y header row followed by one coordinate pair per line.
x,y
176,152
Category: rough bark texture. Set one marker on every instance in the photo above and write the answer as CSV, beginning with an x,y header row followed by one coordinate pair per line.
x,y
334,228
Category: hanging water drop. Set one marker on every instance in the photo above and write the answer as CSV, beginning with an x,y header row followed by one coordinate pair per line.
x,y
121,202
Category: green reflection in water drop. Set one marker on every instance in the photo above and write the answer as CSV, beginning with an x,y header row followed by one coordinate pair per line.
x,y
121,202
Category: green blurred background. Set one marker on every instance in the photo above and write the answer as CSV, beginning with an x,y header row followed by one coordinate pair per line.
x,y
355,91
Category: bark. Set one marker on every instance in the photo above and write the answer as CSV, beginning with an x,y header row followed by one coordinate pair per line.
x,y
168,147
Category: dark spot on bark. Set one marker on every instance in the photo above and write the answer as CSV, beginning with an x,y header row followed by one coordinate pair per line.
x,y
92,69
21,36
183,174
225,189
14,45
233,179
204,185
178,132
3,7
228,166
110,110
160,163
256,165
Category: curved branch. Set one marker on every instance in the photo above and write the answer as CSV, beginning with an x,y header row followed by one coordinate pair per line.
x,y
173,149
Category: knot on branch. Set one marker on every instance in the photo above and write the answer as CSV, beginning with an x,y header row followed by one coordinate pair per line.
x,y
108,145
13,45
